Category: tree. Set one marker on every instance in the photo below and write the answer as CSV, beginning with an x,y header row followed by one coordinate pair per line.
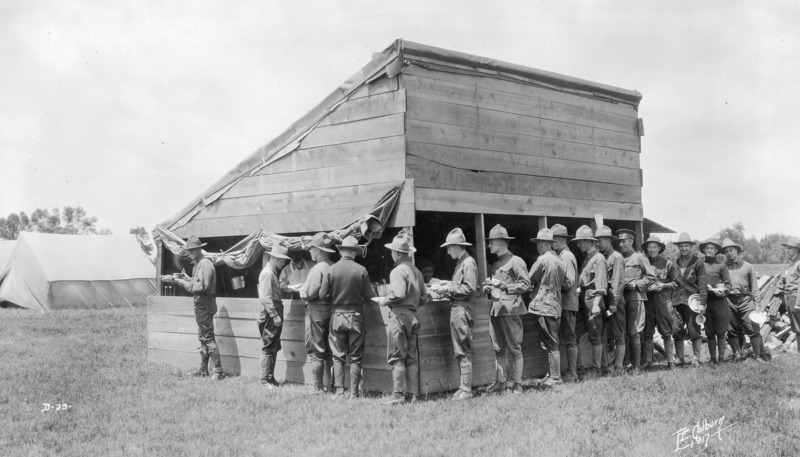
x,y
143,236
71,220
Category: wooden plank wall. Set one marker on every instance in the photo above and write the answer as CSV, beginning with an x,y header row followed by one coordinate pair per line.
x,y
487,145
172,339
342,167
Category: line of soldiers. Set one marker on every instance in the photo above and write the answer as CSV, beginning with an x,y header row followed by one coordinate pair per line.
x,y
620,297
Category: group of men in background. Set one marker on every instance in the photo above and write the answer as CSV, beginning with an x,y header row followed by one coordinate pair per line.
x,y
620,298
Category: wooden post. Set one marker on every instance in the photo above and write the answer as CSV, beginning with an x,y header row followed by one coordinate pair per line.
x,y
159,266
542,222
480,248
639,229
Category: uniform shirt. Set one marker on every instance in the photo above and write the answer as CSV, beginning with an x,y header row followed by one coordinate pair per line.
x,y
547,277
615,265
295,274
638,273
406,286
465,279
743,279
569,295
511,270
269,291
716,273
310,290
204,278
666,273
791,278
593,280
691,280
346,286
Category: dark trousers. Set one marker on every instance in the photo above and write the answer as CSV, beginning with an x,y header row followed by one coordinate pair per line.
x,y
401,345
548,331
318,321
566,330
270,333
739,308
615,324
347,338
584,325
461,331
717,317
685,324
205,306
658,315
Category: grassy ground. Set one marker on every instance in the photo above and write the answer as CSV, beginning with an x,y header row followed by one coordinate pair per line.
x,y
122,405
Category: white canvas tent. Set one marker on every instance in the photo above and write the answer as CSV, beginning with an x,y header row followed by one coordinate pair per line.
x,y
50,272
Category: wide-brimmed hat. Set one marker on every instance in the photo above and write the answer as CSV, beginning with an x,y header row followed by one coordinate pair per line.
x,y
322,241
560,230
729,243
545,235
350,243
713,241
792,243
656,240
605,232
584,233
194,243
456,237
401,243
280,251
498,232
684,238
626,234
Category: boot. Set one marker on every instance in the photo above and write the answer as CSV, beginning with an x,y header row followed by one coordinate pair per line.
x,y
500,375
317,371
669,348
338,377
465,391
735,347
329,377
758,346
647,353
679,349
628,352
266,362
213,356
518,369
597,360
572,364
619,358
721,344
412,383
712,348
355,380
203,370
555,369
398,384
604,371
696,346
636,353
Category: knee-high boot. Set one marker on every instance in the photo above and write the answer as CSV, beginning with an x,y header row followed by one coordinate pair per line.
x,y
721,344
712,348
696,347
555,369
669,349
398,384
733,341
679,351
412,383
317,371
636,352
647,352
572,361
758,346
203,370
355,380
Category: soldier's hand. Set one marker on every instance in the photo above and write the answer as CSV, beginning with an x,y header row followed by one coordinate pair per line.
x,y
278,321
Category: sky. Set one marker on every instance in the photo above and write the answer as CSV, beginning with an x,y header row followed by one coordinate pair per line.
x,y
132,109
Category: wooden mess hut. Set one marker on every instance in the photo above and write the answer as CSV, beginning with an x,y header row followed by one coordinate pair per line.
x,y
475,142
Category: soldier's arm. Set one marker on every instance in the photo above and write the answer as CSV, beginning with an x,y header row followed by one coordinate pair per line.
x,y
726,279
617,279
648,274
571,281
325,288
201,283
521,282
366,287
702,282
265,295
752,281
600,280
311,288
470,282
672,277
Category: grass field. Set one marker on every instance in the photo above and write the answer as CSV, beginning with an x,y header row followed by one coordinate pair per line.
x,y
119,404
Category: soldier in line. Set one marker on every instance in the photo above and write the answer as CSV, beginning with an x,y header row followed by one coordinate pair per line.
x,y
592,287
614,317
719,284
788,285
406,293
460,292
318,310
638,278
569,300
510,277
547,276
347,287
658,308
270,318
203,288
743,298
691,280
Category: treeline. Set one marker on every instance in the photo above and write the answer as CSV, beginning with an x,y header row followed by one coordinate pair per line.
x,y
71,220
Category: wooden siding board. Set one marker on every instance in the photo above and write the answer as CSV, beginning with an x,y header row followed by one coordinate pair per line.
x,y
367,107
493,203
376,127
431,175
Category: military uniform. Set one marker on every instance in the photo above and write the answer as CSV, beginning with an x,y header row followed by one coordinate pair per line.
x,y
269,292
592,282
547,277
569,308
717,315
743,298
691,280
658,307
615,303
788,286
203,288
318,319
461,293
638,277
506,323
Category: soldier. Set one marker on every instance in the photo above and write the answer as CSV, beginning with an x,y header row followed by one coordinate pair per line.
x,y
638,277
347,287
318,311
406,294
691,280
509,281
569,301
592,287
203,288
743,298
270,319
658,308
548,275
614,318
719,284
461,292
787,287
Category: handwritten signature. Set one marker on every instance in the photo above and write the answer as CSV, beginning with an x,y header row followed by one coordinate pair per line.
x,y
55,407
700,433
